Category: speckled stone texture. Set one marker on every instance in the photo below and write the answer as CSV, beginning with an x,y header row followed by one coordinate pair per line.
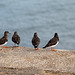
x,y
27,61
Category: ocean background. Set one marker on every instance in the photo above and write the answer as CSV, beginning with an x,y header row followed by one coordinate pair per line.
x,y
42,16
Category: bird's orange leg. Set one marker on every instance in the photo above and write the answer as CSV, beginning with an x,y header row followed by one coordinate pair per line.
x,y
18,46
14,45
36,48
0,49
52,48
5,47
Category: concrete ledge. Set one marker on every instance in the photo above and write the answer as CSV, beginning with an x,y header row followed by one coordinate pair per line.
x,y
28,61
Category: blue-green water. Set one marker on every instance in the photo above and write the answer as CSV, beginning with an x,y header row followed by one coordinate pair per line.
x,y
42,16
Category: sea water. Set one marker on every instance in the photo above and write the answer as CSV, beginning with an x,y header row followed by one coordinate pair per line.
x,y
42,16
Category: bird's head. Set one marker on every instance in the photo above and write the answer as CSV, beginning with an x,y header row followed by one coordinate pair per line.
x,y
55,35
35,34
6,33
15,33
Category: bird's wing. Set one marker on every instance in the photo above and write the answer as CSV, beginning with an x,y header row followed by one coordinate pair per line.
x,y
53,41
14,38
36,41
2,40
18,39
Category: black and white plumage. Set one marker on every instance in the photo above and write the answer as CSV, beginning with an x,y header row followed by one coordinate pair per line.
x,y
53,42
16,38
4,39
35,41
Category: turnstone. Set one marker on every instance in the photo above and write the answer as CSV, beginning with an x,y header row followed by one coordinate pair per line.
x,y
36,41
4,39
16,38
53,42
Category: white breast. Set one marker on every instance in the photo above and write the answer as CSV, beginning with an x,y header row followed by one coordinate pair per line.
x,y
55,44
4,44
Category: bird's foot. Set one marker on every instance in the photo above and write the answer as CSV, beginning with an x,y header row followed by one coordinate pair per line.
x,y
5,47
14,46
53,49
18,46
36,48
0,49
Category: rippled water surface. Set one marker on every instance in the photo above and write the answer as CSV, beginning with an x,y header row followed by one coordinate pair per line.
x,y
42,16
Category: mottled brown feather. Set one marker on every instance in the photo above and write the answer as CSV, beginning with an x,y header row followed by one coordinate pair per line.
x,y
4,39
16,38
35,41
53,41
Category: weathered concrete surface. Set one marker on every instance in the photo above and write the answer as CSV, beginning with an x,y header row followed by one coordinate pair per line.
x,y
27,61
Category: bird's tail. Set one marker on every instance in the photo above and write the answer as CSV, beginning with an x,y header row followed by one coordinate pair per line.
x,y
35,46
44,47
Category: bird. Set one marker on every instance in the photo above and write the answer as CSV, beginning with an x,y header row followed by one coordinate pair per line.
x,y
53,42
4,39
16,38
36,41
